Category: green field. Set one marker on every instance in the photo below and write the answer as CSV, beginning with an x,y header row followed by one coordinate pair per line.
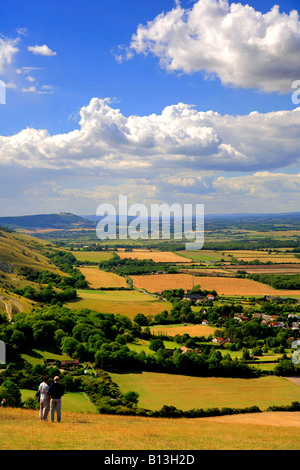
x,y
143,345
93,256
184,392
204,255
74,402
36,356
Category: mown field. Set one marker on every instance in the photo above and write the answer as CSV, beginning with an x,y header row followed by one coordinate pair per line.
x,y
93,256
21,430
185,393
128,303
222,285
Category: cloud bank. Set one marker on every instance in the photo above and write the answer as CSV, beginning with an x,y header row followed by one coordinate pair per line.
x,y
221,40
229,163
180,138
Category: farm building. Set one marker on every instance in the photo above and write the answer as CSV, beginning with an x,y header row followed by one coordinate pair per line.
x,y
194,297
70,364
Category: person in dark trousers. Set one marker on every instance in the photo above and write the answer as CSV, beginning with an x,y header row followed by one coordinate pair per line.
x,y
55,392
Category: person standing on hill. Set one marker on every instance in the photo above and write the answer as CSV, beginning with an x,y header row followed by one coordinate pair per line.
x,y
56,391
44,399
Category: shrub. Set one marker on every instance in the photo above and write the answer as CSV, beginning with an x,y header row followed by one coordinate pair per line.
x,y
11,392
31,403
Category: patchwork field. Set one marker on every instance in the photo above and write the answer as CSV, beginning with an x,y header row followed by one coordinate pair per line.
x,y
263,256
128,303
186,392
97,278
285,268
222,285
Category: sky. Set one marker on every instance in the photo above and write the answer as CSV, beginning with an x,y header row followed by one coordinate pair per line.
x,y
163,102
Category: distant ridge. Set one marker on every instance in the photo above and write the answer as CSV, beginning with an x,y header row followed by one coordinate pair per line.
x,y
69,221
63,220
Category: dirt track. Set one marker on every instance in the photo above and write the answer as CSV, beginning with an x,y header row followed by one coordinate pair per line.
x,y
295,380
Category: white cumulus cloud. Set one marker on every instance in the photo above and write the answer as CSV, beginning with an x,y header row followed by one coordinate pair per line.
x,y
42,50
241,46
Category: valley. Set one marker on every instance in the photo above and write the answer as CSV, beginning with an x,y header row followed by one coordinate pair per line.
x,y
157,331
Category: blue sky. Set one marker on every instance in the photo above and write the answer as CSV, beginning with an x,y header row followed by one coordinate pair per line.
x,y
92,105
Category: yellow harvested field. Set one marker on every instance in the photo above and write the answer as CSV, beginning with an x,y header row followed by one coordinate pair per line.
x,y
156,256
192,330
97,278
222,285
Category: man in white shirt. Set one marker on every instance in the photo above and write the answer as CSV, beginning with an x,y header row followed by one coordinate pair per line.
x,y
44,399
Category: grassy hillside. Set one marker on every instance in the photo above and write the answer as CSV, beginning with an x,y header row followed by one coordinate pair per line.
x,y
17,251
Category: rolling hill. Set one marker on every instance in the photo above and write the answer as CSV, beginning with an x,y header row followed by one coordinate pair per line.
x,y
18,251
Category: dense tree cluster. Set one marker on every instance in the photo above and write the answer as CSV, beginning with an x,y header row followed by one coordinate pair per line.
x,y
47,295
67,263
278,281
51,288
127,266
104,340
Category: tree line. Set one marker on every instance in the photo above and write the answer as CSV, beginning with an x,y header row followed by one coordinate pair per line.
x,y
129,266
278,281
104,339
